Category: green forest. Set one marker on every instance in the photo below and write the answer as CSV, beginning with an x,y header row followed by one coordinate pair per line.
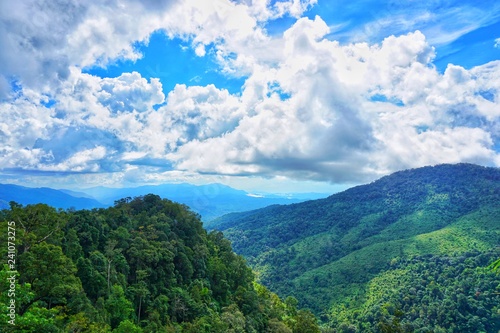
x,y
417,251
400,230
144,265
427,294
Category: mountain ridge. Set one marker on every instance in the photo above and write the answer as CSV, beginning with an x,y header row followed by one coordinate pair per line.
x,y
210,200
144,265
316,247
56,198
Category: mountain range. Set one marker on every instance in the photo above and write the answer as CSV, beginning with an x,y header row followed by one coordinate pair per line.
x,y
56,198
332,252
210,201
410,252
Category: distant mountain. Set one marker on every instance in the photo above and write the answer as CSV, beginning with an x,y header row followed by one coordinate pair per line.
x,y
76,194
330,252
210,201
56,198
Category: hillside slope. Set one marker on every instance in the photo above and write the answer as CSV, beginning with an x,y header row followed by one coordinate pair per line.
x,y
144,265
55,198
328,250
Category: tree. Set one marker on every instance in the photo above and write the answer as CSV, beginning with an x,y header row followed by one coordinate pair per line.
x,y
495,266
36,224
276,326
51,275
305,322
127,326
118,306
111,252
93,282
71,245
291,306
144,265
234,318
140,289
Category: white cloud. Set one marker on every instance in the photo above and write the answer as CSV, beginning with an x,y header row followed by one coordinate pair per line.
x,y
130,92
295,7
191,113
82,161
449,24
25,120
90,112
34,32
45,39
442,22
263,10
497,43
330,129
310,108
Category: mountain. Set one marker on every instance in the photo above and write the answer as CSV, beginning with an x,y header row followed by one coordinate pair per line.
x,y
330,251
143,265
210,201
56,198
76,194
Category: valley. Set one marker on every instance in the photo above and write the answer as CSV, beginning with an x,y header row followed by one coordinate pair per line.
x,y
410,252
329,251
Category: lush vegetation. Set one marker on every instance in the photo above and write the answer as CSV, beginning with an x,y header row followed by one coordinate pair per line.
x,y
144,265
327,252
416,251
427,294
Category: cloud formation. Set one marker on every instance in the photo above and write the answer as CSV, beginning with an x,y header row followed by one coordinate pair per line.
x,y
311,108
330,128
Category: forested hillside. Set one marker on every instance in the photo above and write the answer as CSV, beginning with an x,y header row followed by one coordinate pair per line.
x,y
331,252
427,294
144,265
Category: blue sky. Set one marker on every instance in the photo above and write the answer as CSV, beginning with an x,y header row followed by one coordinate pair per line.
x,y
277,96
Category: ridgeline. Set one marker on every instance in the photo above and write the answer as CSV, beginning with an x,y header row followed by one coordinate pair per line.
x,y
387,253
144,265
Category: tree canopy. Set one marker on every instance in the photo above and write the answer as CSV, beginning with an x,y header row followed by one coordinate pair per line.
x,y
144,265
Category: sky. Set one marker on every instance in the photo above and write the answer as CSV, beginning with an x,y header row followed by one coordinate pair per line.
x,y
276,96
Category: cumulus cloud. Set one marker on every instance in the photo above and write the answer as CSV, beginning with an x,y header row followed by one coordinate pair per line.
x,y
200,112
295,8
130,92
35,33
91,115
80,149
330,128
82,161
46,38
310,108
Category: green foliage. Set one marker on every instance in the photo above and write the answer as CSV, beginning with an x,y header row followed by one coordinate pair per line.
x,y
144,265
127,326
495,266
443,293
118,306
50,273
327,251
408,253
305,322
35,224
